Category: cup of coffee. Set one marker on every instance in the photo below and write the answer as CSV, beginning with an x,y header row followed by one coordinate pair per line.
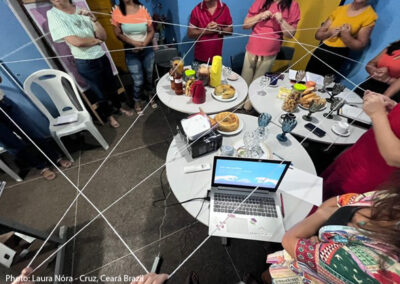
x,y
342,128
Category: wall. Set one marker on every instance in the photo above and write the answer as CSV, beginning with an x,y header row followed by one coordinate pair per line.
x,y
385,32
314,12
13,36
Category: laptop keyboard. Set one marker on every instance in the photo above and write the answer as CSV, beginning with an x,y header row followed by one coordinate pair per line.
x,y
253,206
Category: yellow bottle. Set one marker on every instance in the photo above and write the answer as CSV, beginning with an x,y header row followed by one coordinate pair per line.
x,y
216,70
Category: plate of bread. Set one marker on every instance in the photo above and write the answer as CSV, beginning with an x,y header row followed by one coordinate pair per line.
x,y
308,96
228,123
225,93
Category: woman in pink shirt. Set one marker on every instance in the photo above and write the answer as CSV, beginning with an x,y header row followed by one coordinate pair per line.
x,y
270,20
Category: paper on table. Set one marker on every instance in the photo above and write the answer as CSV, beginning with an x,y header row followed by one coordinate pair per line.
x,y
303,186
195,126
292,75
350,97
315,77
309,77
66,119
355,113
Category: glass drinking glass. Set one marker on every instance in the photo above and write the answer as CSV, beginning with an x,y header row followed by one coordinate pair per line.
x,y
336,104
314,107
300,75
195,65
226,72
336,90
328,79
252,145
263,120
288,124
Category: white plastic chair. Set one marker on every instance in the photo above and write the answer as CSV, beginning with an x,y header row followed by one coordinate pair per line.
x,y
51,82
7,169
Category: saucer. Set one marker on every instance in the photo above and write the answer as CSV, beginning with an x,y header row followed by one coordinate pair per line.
x,y
334,130
233,77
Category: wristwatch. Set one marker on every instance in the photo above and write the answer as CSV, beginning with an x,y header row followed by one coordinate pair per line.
x,y
220,30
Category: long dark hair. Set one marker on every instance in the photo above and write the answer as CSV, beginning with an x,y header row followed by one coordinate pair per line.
x,y
283,4
386,209
393,47
122,5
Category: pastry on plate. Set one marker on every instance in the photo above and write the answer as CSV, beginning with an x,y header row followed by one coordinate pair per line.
x,y
225,91
227,121
306,100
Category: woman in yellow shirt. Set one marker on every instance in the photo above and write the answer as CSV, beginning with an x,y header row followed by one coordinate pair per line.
x,y
348,28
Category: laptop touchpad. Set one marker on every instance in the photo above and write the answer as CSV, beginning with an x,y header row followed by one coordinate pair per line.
x,y
237,226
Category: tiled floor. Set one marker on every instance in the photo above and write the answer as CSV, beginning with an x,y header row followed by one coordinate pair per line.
x,y
39,204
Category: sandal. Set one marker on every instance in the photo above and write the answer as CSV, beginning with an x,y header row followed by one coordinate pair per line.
x,y
66,164
154,104
138,108
48,174
113,122
126,112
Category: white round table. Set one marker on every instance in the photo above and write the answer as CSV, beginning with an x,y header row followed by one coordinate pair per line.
x,y
184,104
195,185
271,104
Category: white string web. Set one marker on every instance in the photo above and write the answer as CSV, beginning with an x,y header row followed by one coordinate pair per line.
x,y
101,213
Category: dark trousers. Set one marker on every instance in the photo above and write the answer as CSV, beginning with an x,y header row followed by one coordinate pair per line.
x,y
330,58
377,87
99,76
24,152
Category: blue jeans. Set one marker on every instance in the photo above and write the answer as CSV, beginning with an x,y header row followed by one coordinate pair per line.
x,y
141,65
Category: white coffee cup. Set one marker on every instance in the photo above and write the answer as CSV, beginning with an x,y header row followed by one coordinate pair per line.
x,y
342,127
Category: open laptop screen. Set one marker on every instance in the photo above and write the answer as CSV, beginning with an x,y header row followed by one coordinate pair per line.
x,y
248,173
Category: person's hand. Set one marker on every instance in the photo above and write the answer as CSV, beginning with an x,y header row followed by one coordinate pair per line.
x,y
1,95
138,46
152,278
212,27
88,14
345,29
334,32
389,103
278,17
382,74
374,104
265,15
24,277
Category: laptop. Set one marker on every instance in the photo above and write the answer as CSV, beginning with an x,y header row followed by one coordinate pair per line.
x,y
260,216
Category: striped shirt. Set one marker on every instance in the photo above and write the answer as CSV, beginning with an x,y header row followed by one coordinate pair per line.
x,y
62,25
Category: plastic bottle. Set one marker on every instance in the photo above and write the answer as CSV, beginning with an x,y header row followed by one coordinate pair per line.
x,y
216,71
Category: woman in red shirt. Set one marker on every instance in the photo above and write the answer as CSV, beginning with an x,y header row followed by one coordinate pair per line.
x,y
373,159
384,70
